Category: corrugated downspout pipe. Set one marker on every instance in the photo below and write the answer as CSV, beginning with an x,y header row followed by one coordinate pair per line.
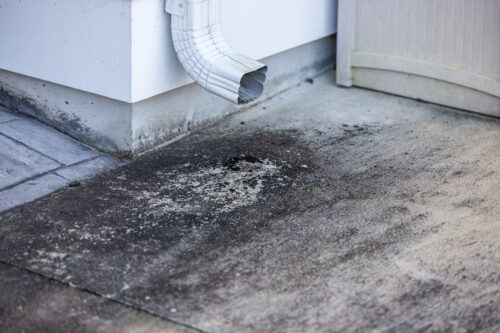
x,y
207,57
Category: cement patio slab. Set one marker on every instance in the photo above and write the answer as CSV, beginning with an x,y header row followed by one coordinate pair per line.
x,y
48,141
18,162
6,116
33,303
321,210
36,160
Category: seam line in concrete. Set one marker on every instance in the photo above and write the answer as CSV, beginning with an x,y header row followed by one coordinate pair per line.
x,y
53,172
8,121
38,175
74,164
88,291
33,149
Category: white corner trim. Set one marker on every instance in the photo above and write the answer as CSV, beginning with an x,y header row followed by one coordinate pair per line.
x,y
345,41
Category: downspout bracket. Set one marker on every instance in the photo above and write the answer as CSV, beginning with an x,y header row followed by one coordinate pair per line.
x,y
175,7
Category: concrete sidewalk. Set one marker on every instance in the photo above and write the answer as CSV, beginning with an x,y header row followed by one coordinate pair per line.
x,y
321,210
36,160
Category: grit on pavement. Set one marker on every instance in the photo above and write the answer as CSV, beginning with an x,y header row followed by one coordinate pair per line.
x,y
321,210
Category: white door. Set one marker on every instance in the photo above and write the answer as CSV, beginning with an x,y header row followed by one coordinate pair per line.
x,y
441,51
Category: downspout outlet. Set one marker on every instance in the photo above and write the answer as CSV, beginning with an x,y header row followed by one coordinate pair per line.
x,y
207,57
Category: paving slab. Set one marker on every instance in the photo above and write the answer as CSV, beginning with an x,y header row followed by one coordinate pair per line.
x,y
6,116
48,141
323,209
30,190
18,162
89,168
31,303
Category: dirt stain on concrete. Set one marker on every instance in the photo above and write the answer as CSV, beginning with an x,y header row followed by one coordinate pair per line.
x,y
364,226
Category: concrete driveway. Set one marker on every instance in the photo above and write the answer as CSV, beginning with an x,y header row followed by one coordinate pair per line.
x,y
321,210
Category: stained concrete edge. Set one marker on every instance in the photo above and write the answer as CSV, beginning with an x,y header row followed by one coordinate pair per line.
x,y
35,303
36,160
30,190
324,209
126,129
73,112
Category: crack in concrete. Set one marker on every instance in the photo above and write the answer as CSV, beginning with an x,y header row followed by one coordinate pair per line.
x,y
91,292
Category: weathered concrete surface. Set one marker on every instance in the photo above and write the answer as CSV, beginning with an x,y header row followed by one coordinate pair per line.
x,y
30,190
31,303
6,116
36,160
322,210
18,162
48,141
88,168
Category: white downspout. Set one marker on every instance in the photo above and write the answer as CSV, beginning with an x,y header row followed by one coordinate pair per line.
x,y
206,56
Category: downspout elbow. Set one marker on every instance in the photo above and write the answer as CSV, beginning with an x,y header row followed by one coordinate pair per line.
x,y
206,56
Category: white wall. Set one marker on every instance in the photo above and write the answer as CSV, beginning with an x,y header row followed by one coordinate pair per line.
x,y
122,48
257,28
260,28
83,44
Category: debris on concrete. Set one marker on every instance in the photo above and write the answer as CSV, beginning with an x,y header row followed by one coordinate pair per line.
x,y
333,210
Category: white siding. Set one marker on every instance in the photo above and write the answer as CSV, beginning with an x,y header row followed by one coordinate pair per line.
x,y
256,28
122,49
84,44
456,42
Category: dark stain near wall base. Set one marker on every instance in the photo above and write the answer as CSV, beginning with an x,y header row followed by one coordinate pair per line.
x,y
71,126
194,202
213,225
32,303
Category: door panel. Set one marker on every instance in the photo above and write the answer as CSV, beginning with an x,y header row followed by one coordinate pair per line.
x,y
441,51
